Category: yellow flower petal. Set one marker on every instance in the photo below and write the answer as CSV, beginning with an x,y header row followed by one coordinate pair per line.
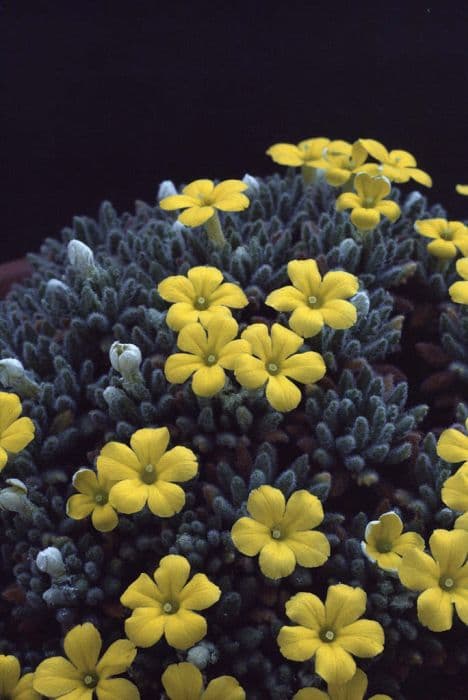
x,y
259,339
343,605
249,536
177,201
365,219
354,689
459,292
82,646
407,541
181,366
165,499
310,694
4,456
56,676
225,687
460,598
205,280
10,409
388,527
227,187
282,394
266,505
307,610
178,464
306,322
177,288
402,159
462,522
455,490
172,574
364,638
375,149
286,154
449,548
334,664
149,444
184,629
389,209
80,506
339,314
193,339
196,216
208,381
10,672
285,299
142,593
421,177
435,609
120,688
453,446
462,267
17,435
303,512
229,354
118,461
305,367
213,311
442,249
182,682
199,593
145,627
462,189
86,481
128,496
418,570
104,518
347,200
337,176
229,294
180,315
199,188
250,372
276,560
305,276
310,548
24,689
338,285
233,202
116,659
221,330
298,643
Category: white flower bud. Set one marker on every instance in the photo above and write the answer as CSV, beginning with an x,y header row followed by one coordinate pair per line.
x,y
10,370
50,562
203,654
80,256
125,358
251,182
166,189
15,498
178,226
54,285
362,302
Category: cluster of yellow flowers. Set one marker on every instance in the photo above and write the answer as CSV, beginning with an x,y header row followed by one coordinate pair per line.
x,y
201,311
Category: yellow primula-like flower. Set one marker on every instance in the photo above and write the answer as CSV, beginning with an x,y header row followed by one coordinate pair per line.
x,y
15,432
385,544
449,237
452,445
146,473
12,685
165,606
315,301
341,161
272,361
397,165
93,500
207,354
282,532
331,632
185,682
368,203
354,689
82,675
462,189
443,578
459,290
455,495
305,153
199,296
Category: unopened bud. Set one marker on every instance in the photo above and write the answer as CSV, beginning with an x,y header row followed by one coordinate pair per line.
x,y
125,358
15,498
80,256
10,370
362,302
166,189
50,562
55,285
251,182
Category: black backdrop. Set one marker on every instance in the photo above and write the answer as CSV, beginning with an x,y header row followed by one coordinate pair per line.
x,y
106,99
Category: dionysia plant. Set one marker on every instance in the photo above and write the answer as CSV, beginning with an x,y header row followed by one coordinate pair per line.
x,y
234,442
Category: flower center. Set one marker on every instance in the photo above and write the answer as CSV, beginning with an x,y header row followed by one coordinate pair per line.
x,y
169,607
149,474
383,547
327,635
446,235
101,498
368,202
90,680
201,303
276,533
312,300
273,368
447,583
211,360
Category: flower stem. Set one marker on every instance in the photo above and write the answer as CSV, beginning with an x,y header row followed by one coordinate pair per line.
x,y
309,174
214,230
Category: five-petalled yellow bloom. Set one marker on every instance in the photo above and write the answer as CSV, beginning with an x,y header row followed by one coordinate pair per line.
x,y
448,237
184,681
384,542
368,203
15,432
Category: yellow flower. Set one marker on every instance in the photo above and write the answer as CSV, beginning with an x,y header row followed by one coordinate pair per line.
x,y
201,197
12,686
331,632
455,495
199,296
93,499
82,674
452,445
341,160
165,606
449,236
146,473
462,189
354,689
398,166
385,544
369,203
459,290
443,578
185,682
272,361
15,432
281,531
207,354
315,301
303,154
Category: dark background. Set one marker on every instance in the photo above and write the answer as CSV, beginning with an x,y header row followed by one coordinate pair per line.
x,y
104,100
